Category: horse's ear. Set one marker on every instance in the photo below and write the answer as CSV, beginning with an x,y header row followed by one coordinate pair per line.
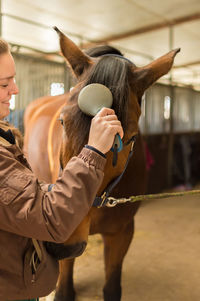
x,y
74,56
146,76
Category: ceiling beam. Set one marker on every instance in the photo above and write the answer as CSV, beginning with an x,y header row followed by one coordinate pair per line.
x,y
152,27
187,64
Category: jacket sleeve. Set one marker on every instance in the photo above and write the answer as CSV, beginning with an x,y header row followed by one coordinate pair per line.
x,y
27,210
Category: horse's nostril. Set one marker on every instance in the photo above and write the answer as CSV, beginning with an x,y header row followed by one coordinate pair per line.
x,y
61,251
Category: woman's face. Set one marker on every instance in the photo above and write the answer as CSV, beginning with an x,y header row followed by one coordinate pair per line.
x,y
7,83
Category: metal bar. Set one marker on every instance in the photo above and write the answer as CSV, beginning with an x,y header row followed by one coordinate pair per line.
x,y
171,121
151,27
28,21
188,64
38,58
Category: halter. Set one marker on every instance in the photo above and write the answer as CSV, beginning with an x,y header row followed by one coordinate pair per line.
x,y
101,201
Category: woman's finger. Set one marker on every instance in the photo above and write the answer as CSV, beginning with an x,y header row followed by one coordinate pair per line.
x,y
110,117
105,111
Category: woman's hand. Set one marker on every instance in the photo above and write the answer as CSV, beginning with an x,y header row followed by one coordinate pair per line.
x,y
104,127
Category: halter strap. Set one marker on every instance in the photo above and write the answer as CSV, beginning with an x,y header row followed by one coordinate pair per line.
x,y
101,201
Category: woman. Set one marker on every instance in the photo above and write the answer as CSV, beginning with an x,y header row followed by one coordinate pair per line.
x,y
30,215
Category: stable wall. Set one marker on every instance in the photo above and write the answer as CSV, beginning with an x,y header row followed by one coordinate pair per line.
x,y
186,161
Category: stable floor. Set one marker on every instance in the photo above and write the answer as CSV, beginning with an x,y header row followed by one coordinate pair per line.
x,y
163,262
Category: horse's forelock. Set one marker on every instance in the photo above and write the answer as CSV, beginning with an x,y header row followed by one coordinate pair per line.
x,y
112,72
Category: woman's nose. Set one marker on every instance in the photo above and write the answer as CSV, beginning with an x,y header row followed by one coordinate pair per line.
x,y
14,89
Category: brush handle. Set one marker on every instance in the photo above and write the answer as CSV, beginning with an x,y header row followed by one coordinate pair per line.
x,y
118,142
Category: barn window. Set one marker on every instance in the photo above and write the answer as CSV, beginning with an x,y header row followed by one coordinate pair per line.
x,y
12,102
57,89
167,104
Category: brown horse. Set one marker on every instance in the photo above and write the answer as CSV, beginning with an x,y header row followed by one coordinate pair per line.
x,y
127,83
41,127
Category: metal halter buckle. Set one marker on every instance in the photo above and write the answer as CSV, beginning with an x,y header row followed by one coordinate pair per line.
x,y
103,197
112,202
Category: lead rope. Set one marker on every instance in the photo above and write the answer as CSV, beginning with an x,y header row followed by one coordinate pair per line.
x,y
112,202
36,258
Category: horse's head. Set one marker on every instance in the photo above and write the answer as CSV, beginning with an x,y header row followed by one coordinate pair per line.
x,y
106,65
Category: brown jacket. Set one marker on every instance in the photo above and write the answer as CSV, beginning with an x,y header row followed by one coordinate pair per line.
x,y
26,211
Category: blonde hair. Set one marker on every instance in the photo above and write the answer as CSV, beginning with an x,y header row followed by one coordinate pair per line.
x,y
4,47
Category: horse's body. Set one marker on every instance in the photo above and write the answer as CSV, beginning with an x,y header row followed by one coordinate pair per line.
x,y
115,224
42,126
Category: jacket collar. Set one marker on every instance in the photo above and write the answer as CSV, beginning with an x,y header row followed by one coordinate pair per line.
x,y
7,135
13,148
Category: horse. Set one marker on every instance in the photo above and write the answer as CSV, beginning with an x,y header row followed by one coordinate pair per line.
x,y
40,121
105,65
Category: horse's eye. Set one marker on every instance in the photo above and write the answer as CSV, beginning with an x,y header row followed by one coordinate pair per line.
x,y
61,120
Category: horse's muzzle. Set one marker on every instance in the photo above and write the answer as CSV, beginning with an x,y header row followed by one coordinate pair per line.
x,y
62,251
